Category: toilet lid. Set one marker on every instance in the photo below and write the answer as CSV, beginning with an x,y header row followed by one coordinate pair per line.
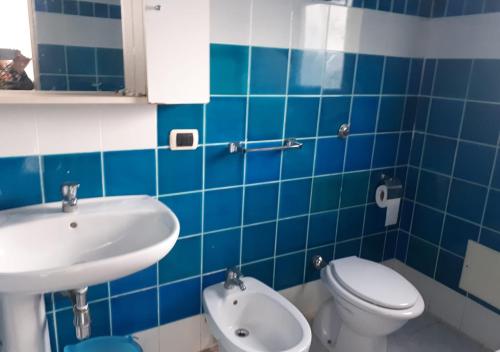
x,y
374,283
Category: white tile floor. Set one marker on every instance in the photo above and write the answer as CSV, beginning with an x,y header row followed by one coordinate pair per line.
x,y
424,334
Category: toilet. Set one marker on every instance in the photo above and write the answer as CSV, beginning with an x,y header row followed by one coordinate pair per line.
x,y
369,301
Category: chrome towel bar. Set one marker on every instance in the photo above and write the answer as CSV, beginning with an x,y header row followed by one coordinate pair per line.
x,y
291,143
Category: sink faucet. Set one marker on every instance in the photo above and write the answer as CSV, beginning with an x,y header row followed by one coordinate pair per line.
x,y
69,199
233,278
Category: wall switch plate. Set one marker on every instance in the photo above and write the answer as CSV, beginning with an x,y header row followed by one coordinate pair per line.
x,y
184,139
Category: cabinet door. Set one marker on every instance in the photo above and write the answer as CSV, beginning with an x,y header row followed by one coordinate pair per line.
x,y
177,51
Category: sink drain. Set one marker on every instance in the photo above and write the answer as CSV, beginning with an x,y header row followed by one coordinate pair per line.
x,y
242,332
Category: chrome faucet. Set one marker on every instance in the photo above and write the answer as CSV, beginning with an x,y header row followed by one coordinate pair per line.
x,y
69,199
233,278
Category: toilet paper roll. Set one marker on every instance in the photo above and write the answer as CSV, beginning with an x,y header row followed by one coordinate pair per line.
x,y
384,200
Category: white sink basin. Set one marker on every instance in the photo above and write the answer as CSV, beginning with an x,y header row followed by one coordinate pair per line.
x,y
272,323
43,250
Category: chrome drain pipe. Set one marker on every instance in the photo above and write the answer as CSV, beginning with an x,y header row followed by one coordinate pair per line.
x,y
81,313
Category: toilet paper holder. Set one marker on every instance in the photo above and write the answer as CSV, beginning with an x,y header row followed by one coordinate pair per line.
x,y
388,196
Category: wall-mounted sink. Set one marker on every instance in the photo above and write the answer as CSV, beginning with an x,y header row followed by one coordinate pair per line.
x,y
43,250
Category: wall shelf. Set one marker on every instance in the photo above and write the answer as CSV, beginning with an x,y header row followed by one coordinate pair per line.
x,y
46,97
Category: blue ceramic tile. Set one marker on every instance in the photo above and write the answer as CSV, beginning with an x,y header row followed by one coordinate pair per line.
x,y
187,208
221,250
86,8
262,271
292,234
212,279
401,246
492,6
325,252
364,114
130,172
385,5
455,7
456,233
222,209
412,7
449,270
142,279
261,203
228,69
19,182
391,114
496,175
416,150
306,71
427,7
428,78
265,118
339,73
183,261
115,12
373,248
52,58
374,219
369,74
491,218
427,224
445,117
66,332
299,163
439,154
386,147
404,148
347,249
439,8
474,162
422,256
357,3
81,60
110,84
389,250
221,168
421,114
82,83
334,112
258,242
370,4
289,271
466,200
411,184
52,82
179,171
354,188
110,62
40,5
399,6
485,80
70,7
52,330
263,167
478,114
295,197
330,155
301,117
226,120
396,75
135,312
415,76
178,116
452,78
326,193
473,7
268,71
433,190
100,10
180,300
359,153
350,223
322,229
54,6
82,168
490,239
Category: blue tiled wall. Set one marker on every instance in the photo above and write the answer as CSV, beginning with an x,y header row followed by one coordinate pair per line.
x,y
453,180
79,8
270,212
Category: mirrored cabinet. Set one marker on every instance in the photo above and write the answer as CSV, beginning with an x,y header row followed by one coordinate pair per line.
x,y
104,51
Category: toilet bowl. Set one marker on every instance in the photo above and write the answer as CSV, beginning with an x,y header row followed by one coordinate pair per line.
x,y
370,301
257,319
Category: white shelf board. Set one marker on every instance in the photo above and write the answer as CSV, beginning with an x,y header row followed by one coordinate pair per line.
x,y
46,97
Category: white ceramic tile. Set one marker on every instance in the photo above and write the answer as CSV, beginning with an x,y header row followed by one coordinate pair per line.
x,y
67,129
182,336
230,21
308,297
481,324
271,23
17,131
149,340
309,25
127,127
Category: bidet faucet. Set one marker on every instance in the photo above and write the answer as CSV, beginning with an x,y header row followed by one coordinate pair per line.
x,y
233,278
69,199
